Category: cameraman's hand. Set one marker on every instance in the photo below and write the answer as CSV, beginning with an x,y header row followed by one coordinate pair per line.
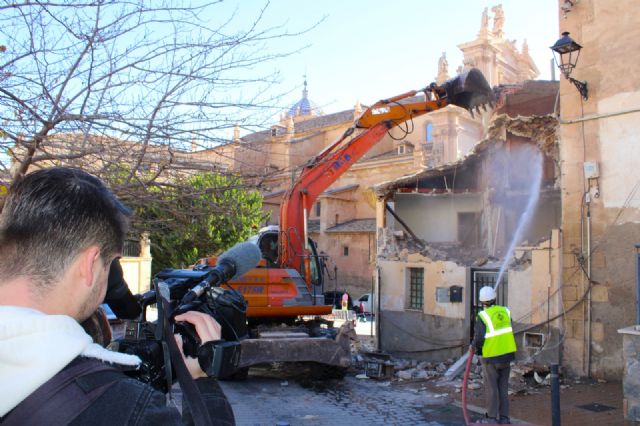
x,y
207,328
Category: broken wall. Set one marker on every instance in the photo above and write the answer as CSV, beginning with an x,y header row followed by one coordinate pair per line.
x,y
535,299
435,332
442,328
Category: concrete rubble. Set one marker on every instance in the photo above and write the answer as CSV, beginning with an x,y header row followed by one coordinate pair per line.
x,y
525,379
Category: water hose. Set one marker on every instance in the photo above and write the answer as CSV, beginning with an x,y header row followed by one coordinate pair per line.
x,y
465,379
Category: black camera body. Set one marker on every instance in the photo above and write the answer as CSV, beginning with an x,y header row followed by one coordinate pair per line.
x,y
145,339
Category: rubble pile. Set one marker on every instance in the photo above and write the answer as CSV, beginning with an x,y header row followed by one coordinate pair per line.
x,y
455,252
525,379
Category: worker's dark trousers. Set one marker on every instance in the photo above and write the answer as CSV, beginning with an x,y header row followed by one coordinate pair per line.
x,y
496,384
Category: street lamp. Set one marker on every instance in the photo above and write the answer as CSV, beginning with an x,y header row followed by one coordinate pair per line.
x,y
566,53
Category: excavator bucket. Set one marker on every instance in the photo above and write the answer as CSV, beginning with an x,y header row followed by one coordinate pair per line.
x,y
469,90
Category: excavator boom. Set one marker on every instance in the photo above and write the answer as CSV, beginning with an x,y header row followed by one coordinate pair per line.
x,y
468,90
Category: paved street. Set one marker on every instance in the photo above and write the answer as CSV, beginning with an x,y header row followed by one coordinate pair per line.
x,y
267,400
287,396
271,397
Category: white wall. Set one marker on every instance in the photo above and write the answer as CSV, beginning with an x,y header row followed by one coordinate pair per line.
x,y
619,150
434,218
137,273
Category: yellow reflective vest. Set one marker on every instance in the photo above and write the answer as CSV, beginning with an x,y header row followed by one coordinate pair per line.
x,y
498,337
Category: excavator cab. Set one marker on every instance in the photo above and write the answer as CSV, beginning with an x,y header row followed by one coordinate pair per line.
x,y
268,244
317,278
267,241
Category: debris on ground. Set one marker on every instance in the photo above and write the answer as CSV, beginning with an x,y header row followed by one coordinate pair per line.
x,y
525,379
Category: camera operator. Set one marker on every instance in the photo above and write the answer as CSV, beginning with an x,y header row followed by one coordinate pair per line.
x,y
60,230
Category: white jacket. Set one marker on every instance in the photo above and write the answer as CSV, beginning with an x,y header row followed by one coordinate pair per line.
x,y
35,346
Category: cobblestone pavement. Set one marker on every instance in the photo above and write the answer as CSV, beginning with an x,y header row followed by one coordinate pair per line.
x,y
263,400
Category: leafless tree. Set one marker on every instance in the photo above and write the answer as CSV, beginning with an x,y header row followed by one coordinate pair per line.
x,y
128,88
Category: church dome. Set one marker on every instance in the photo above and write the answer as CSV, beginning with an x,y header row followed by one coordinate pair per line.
x,y
304,107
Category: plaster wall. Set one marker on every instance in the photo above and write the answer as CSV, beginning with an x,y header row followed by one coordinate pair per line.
x,y
394,278
422,336
519,293
434,218
619,161
533,289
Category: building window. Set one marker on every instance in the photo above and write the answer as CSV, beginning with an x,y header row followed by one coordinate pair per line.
x,y
416,288
345,251
429,134
337,219
318,209
274,131
400,149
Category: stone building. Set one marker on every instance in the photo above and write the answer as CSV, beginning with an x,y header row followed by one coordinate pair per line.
x,y
599,155
343,220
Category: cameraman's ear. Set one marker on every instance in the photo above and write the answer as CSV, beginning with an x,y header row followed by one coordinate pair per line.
x,y
90,265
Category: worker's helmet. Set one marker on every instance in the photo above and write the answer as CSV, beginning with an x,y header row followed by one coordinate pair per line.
x,y
487,293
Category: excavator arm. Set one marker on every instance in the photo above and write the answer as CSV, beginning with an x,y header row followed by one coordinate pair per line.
x,y
468,90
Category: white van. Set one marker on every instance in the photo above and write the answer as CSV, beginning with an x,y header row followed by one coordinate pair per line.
x,y
367,299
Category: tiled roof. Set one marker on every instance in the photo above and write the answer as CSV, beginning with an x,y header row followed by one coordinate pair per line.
x,y
341,189
274,194
305,125
356,225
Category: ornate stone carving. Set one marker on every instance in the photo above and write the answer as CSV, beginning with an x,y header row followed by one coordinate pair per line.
x,y
443,69
498,21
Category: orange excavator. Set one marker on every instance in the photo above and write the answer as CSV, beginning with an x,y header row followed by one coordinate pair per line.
x,y
287,285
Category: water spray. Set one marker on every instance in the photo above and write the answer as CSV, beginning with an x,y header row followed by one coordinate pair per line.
x,y
525,218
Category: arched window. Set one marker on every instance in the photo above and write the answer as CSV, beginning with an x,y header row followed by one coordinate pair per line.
x,y
429,133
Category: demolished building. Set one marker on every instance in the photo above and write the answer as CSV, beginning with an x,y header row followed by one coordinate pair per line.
x,y
444,232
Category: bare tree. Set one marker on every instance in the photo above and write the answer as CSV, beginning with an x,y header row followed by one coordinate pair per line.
x,y
126,88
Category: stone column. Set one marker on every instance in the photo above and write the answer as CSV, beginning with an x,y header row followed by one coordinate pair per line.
x,y
145,245
631,378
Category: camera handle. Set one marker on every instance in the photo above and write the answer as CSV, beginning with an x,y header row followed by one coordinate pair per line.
x,y
197,405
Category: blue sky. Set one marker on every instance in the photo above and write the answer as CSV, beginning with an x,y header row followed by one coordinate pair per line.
x,y
369,50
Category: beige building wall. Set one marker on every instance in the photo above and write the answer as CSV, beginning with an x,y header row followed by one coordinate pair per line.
x,y
355,268
436,274
137,270
602,130
532,290
137,273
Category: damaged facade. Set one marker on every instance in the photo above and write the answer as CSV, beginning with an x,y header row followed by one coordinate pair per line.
x,y
443,232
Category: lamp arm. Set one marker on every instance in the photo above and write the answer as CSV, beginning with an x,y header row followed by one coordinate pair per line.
x,y
581,86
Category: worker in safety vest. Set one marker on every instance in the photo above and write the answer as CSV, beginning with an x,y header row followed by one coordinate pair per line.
x,y
493,340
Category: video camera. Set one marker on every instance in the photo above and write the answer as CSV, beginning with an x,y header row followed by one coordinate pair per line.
x,y
177,291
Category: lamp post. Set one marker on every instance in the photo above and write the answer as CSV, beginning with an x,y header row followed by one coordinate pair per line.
x,y
566,53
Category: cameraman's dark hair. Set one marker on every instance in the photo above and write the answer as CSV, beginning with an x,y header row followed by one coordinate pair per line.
x,y
53,214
